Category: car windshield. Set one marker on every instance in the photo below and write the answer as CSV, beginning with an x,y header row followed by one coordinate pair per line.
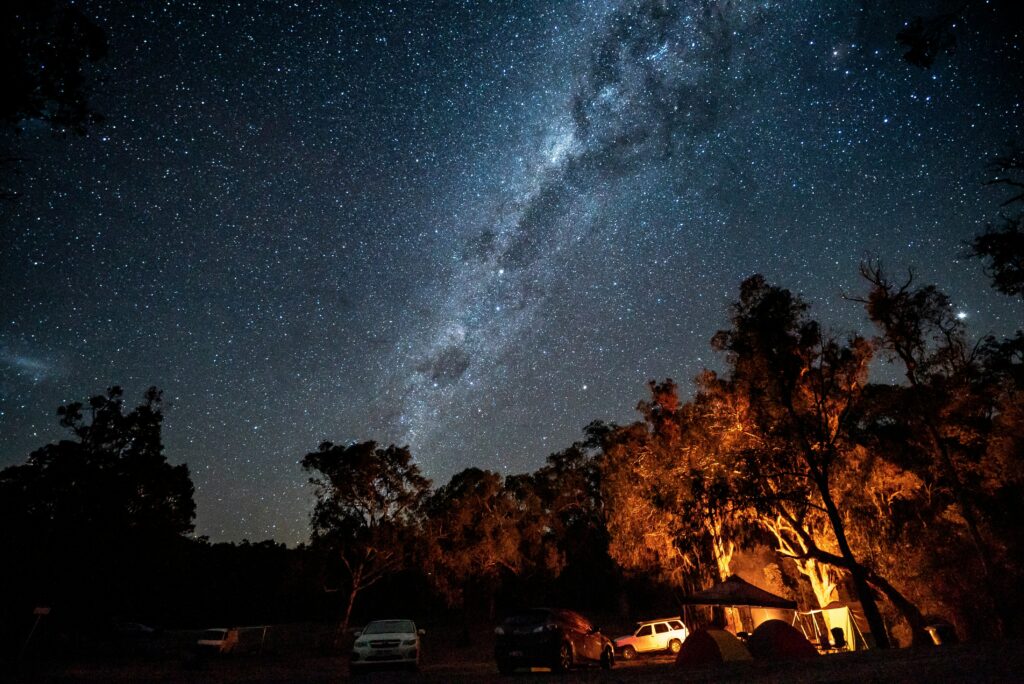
x,y
390,627
527,618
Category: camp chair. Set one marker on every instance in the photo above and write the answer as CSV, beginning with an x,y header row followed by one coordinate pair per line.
x,y
838,639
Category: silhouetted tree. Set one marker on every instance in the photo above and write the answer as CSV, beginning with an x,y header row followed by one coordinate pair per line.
x,y
83,517
368,500
992,25
1001,246
569,486
925,38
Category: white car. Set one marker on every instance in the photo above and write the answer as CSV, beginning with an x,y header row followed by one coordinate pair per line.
x,y
664,634
387,642
218,640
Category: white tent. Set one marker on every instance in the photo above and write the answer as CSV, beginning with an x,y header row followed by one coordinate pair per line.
x,y
817,626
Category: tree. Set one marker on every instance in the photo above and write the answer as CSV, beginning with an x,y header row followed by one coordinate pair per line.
x,y
947,407
800,387
106,502
1002,247
481,529
662,485
368,500
569,487
986,26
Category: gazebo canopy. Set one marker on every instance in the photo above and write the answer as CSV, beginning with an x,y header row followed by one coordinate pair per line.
x,y
735,591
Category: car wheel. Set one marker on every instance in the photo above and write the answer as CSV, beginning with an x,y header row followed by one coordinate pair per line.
x,y
674,646
628,653
607,658
564,661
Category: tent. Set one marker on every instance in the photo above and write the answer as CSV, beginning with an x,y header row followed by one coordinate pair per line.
x,y
735,591
710,647
777,640
824,622
751,605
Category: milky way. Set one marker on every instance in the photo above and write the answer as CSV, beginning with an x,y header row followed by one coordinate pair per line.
x,y
470,228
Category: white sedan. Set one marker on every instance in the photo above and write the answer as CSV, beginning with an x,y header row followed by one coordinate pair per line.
x,y
387,642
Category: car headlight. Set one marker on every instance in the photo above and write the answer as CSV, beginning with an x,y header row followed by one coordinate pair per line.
x,y
409,642
360,644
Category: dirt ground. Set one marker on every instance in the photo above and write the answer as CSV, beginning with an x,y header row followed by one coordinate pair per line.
x,y
295,658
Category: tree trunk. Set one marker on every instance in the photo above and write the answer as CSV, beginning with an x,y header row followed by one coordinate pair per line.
x,y
857,571
357,578
960,494
910,612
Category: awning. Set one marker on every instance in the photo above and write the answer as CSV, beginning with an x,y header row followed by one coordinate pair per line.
x,y
735,591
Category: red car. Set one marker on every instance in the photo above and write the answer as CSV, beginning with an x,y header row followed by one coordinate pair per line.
x,y
550,637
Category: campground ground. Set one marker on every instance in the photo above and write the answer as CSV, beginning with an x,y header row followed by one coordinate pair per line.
x,y
168,659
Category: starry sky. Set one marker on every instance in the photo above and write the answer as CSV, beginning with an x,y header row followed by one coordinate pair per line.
x,y
470,227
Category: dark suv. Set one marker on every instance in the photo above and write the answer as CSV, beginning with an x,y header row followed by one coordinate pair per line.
x,y
550,637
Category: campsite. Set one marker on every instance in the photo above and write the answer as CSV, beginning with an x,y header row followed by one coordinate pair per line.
x,y
295,659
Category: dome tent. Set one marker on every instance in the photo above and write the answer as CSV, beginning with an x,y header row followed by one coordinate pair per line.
x,y
775,640
710,647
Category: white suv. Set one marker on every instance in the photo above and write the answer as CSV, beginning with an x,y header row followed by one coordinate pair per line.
x,y
664,634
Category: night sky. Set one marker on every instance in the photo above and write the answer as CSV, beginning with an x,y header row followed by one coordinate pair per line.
x,y
469,227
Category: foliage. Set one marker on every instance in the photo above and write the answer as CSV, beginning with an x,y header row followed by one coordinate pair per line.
x,y
1001,246
664,483
478,529
105,502
368,500
801,387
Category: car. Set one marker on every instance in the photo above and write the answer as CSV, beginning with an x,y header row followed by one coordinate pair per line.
x,y
387,642
550,637
218,640
233,640
649,636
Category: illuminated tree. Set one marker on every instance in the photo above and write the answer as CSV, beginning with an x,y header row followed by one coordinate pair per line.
x,y
801,388
478,530
368,500
666,488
